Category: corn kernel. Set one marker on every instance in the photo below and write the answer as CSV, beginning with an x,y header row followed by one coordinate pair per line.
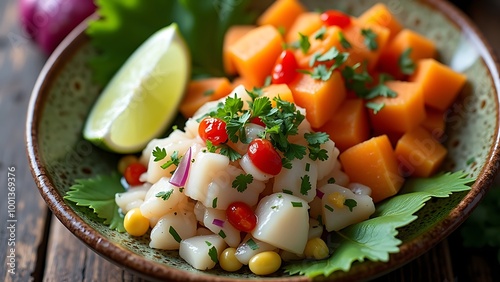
x,y
135,223
126,161
228,260
265,263
316,248
336,199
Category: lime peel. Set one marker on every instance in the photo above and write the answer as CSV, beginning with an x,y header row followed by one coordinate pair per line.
x,y
141,100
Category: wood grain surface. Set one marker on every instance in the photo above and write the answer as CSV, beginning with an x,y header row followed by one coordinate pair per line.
x,y
46,251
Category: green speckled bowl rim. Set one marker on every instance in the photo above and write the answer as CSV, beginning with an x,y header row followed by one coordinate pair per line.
x,y
138,264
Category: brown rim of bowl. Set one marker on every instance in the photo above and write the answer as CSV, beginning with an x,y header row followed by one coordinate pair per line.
x,y
140,265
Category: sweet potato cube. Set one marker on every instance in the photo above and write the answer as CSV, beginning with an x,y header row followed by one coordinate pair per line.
x,y
320,98
275,90
255,54
421,48
321,45
380,15
440,84
373,163
306,23
233,34
419,154
281,14
348,125
434,122
357,35
401,113
202,91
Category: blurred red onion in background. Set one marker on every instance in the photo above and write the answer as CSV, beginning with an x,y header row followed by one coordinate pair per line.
x,y
49,21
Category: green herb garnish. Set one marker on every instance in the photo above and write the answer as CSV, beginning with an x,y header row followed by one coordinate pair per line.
x,y
241,182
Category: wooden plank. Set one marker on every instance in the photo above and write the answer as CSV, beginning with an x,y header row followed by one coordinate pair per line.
x,y
69,259
23,212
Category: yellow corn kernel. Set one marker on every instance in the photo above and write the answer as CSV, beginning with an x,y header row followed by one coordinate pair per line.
x,y
126,161
135,223
265,263
336,199
316,248
228,260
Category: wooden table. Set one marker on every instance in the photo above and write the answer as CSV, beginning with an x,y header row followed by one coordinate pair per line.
x,y
46,250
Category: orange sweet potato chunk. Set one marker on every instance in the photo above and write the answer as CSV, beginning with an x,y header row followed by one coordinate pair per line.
x,y
320,98
421,48
202,91
440,84
319,45
306,23
380,15
434,122
419,154
401,113
275,90
349,125
232,35
281,14
373,163
255,54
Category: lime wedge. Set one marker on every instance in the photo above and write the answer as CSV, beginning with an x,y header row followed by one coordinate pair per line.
x,y
141,100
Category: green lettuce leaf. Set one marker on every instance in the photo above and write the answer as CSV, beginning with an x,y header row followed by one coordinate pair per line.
x,y
376,238
98,194
124,24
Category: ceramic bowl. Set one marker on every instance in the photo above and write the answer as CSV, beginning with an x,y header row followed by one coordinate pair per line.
x,y
65,92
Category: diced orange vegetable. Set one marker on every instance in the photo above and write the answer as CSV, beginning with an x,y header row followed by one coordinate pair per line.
x,y
440,84
201,91
318,45
421,48
255,53
401,113
349,125
434,122
380,15
373,163
306,24
232,35
240,80
419,154
320,98
281,14
360,52
275,90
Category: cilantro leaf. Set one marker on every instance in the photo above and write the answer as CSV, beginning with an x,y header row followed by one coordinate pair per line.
x,y
304,43
174,160
375,107
320,34
165,195
305,185
316,137
98,194
370,39
212,252
159,153
229,152
405,62
116,33
375,239
350,203
343,41
241,182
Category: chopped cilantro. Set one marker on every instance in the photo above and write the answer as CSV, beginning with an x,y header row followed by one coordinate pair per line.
x,y
320,34
281,30
274,207
305,185
222,234
297,204
304,43
209,92
319,72
159,153
165,195
212,252
350,203
316,137
214,203
241,182
286,163
343,41
251,243
375,107
331,180
405,62
357,80
174,234
229,152
381,90
308,167
370,39
174,160
329,208
286,191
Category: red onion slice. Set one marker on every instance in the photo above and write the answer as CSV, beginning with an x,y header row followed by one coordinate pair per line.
x,y
319,194
218,222
181,173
